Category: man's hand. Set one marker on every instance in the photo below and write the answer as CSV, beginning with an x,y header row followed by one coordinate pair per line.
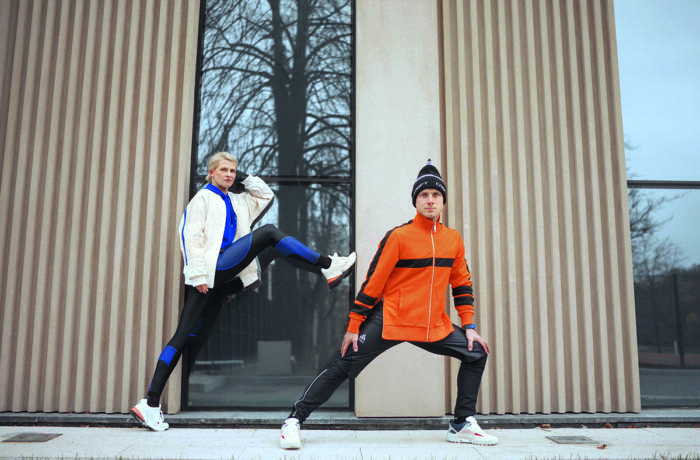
x,y
473,336
347,339
203,288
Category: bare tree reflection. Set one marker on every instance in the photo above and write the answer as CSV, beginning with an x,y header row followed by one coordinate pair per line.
x,y
666,292
276,92
276,85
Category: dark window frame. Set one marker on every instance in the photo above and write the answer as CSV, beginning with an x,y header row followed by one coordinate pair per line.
x,y
349,180
663,184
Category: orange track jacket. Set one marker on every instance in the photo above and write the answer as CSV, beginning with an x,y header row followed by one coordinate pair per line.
x,y
410,272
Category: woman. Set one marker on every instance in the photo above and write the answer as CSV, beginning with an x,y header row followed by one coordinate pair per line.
x,y
219,252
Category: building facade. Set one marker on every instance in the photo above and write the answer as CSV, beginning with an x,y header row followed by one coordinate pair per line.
x,y
519,103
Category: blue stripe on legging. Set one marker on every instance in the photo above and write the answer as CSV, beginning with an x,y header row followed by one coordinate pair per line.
x,y
235,253
289,245
167,354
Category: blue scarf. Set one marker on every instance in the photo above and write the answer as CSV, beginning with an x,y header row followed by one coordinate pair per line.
x,y
230,229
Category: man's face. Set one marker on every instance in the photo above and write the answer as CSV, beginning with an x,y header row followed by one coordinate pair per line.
x,y
429,204
223,175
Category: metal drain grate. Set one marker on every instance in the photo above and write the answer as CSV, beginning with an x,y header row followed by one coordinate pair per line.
x,y
572,440
32,437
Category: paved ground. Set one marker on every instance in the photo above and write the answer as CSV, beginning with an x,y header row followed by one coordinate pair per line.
x,y
261,444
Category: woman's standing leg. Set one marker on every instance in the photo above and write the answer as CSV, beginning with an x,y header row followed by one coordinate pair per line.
x,y
205,324
148,409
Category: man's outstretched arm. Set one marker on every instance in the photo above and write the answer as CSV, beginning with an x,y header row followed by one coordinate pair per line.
x,y
372,289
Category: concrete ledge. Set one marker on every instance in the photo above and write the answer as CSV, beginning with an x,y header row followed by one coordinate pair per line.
x,y
341,420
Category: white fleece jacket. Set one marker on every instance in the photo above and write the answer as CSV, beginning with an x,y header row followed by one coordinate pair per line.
x,y
202,229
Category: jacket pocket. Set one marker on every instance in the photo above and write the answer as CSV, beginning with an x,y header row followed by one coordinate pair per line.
x,y
392,308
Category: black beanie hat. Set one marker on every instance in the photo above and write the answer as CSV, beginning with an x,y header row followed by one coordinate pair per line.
x,y
429,177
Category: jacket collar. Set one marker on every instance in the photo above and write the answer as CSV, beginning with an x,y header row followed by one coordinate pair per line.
x,y
425,223
216,190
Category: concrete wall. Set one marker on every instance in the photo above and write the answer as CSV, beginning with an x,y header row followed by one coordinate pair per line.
x,y
398,128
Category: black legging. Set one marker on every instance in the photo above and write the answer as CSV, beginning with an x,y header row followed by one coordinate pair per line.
x,y
210,313
201,310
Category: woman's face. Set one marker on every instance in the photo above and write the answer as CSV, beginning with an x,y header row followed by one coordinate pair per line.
x,y
223,175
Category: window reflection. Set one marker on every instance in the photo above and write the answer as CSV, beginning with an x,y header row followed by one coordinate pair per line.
x,y
268,342
276,86
666,257
276,92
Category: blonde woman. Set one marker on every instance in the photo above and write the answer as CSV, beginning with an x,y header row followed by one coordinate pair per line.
x,y
219,251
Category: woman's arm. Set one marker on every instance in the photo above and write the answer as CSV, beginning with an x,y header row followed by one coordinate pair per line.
x,y
259,197
193,241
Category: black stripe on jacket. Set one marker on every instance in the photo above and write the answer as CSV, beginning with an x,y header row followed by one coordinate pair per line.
x,y
464,300
427,262
365,299
462,290
361,296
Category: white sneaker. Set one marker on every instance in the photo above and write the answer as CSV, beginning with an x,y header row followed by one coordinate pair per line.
x,y
339,269
151,417
472,433
291,435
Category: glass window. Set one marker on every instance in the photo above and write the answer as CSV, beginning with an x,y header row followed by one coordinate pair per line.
x,y
659,57
276,86
276,92
268,343
667,333
666,256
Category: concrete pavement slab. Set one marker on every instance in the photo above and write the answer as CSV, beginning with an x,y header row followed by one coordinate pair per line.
x,y
318,444
262,444
188,443
617,443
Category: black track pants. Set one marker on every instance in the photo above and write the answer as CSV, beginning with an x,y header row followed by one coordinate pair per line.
x,y
200,311
371,344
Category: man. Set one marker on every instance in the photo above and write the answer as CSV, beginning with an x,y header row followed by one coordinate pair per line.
x,y
403,300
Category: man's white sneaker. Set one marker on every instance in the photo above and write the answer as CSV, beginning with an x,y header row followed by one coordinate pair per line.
x,y
291,435
472,433
151,417
339,269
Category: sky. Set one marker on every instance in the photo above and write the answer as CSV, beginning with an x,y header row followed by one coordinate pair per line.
x,y
658,45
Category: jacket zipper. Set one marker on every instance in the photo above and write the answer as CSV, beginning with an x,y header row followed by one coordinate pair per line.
x,y
432,281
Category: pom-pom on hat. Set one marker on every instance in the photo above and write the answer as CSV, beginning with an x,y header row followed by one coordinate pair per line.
x,y
429,177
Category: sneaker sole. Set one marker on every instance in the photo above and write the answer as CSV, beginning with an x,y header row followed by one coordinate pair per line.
x,y
333,282
138,416
289,446
458,440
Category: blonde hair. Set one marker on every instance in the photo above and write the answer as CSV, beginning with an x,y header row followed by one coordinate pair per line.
x,y
217,158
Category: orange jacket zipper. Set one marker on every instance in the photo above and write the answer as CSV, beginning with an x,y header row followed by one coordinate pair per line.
x,y
432,281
